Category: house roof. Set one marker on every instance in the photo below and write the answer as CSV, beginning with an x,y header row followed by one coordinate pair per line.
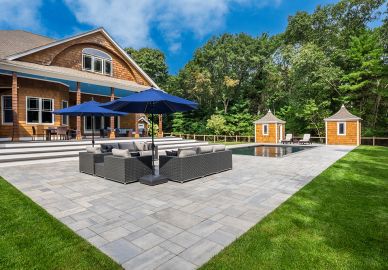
x,y
342,115
69,74
16,41
41,43
269,118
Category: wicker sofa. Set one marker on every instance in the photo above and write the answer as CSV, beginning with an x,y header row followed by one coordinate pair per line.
x,y
182,169
124,169
88,160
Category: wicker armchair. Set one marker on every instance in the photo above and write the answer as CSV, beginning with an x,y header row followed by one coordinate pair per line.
x,y
87,161
182,169
125,169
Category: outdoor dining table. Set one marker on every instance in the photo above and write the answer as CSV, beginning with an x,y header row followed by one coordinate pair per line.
x,y
50,131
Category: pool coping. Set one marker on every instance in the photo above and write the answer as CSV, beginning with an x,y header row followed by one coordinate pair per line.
x,y
308,147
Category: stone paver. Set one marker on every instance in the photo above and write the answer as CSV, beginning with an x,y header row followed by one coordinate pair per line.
x,y
170,226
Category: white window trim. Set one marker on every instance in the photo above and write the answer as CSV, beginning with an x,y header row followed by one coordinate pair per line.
x,y
338,129
263,130
40,111
2,111
63,116
102,122
102,64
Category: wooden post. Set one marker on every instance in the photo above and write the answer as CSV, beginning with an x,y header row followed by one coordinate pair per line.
x,y
136,126
160,131
373,139
236,138
15,116
112,134
78,101
225,138
214,138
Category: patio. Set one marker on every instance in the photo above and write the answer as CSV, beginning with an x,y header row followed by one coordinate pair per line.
x,y
170,226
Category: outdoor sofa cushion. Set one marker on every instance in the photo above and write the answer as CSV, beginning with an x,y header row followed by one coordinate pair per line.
x,y
140,146
186,152
218,147
204,149
107,147
128,146
121,153
91,149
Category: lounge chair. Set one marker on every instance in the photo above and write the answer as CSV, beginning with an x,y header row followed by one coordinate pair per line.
x,y
306,139
288,139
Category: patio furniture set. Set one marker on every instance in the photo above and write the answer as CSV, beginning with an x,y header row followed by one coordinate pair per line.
x,y
305,140
127,162
48,133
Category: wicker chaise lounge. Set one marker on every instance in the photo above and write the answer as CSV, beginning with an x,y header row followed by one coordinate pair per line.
x,y
185,168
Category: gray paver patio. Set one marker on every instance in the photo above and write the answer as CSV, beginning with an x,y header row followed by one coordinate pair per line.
x,y
170,226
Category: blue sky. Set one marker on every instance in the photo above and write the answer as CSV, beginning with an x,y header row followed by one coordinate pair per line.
x,y
177,27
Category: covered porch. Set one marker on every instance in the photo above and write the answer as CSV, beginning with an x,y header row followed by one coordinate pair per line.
x,y
30,93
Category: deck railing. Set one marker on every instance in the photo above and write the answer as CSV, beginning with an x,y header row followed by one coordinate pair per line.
x,y
382,141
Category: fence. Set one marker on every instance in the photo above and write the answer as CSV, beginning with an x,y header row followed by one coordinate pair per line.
x,y
382,141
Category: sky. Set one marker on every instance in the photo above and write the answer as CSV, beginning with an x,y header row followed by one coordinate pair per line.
x,y
177,27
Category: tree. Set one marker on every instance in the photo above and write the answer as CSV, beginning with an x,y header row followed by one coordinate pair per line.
x,y
314,114
152,61
216,124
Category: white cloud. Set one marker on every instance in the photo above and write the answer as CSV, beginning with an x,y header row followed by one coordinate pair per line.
x,y
20,14
131,21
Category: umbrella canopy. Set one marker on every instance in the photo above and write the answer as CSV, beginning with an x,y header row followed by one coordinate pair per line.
x,y
90,108
152,101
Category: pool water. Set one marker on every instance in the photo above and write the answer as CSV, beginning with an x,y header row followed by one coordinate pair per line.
x,y
268,150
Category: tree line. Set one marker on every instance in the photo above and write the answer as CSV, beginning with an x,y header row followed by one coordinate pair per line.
x,y
336,55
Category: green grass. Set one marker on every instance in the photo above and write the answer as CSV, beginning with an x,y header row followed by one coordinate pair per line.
x,y
338,221
30,238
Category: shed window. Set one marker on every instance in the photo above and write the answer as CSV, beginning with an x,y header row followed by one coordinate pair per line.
x,y
341,128
265,129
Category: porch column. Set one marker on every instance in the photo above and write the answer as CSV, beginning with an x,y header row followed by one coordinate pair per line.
x,y
112,118
15,116
160,129
136,126
78,101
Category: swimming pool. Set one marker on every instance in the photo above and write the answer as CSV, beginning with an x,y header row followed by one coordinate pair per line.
x,y
268,150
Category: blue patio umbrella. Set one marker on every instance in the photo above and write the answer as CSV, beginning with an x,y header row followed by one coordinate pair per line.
x,y
91,108
151,101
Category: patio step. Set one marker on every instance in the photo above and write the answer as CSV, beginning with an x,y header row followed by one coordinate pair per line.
x,y
22,153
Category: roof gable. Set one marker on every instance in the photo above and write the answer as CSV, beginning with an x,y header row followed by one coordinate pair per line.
x,y
104,33
269,118
342,115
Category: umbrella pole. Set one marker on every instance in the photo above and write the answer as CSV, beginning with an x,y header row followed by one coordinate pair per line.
x,y
153,145
93,130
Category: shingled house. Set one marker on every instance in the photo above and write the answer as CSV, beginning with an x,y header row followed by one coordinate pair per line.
x,y
39,75
269,129
343,128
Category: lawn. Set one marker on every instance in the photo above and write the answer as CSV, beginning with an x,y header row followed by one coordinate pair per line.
x,y
30,238
337,221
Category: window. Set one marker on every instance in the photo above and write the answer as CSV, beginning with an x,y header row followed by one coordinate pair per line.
x,y
265,129
6,105
96,61
40,110
341,128
65,118
99,123
87,62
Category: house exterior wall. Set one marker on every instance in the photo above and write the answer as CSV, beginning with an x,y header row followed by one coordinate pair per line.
x,y
34,88
350,138
270,138
69,54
